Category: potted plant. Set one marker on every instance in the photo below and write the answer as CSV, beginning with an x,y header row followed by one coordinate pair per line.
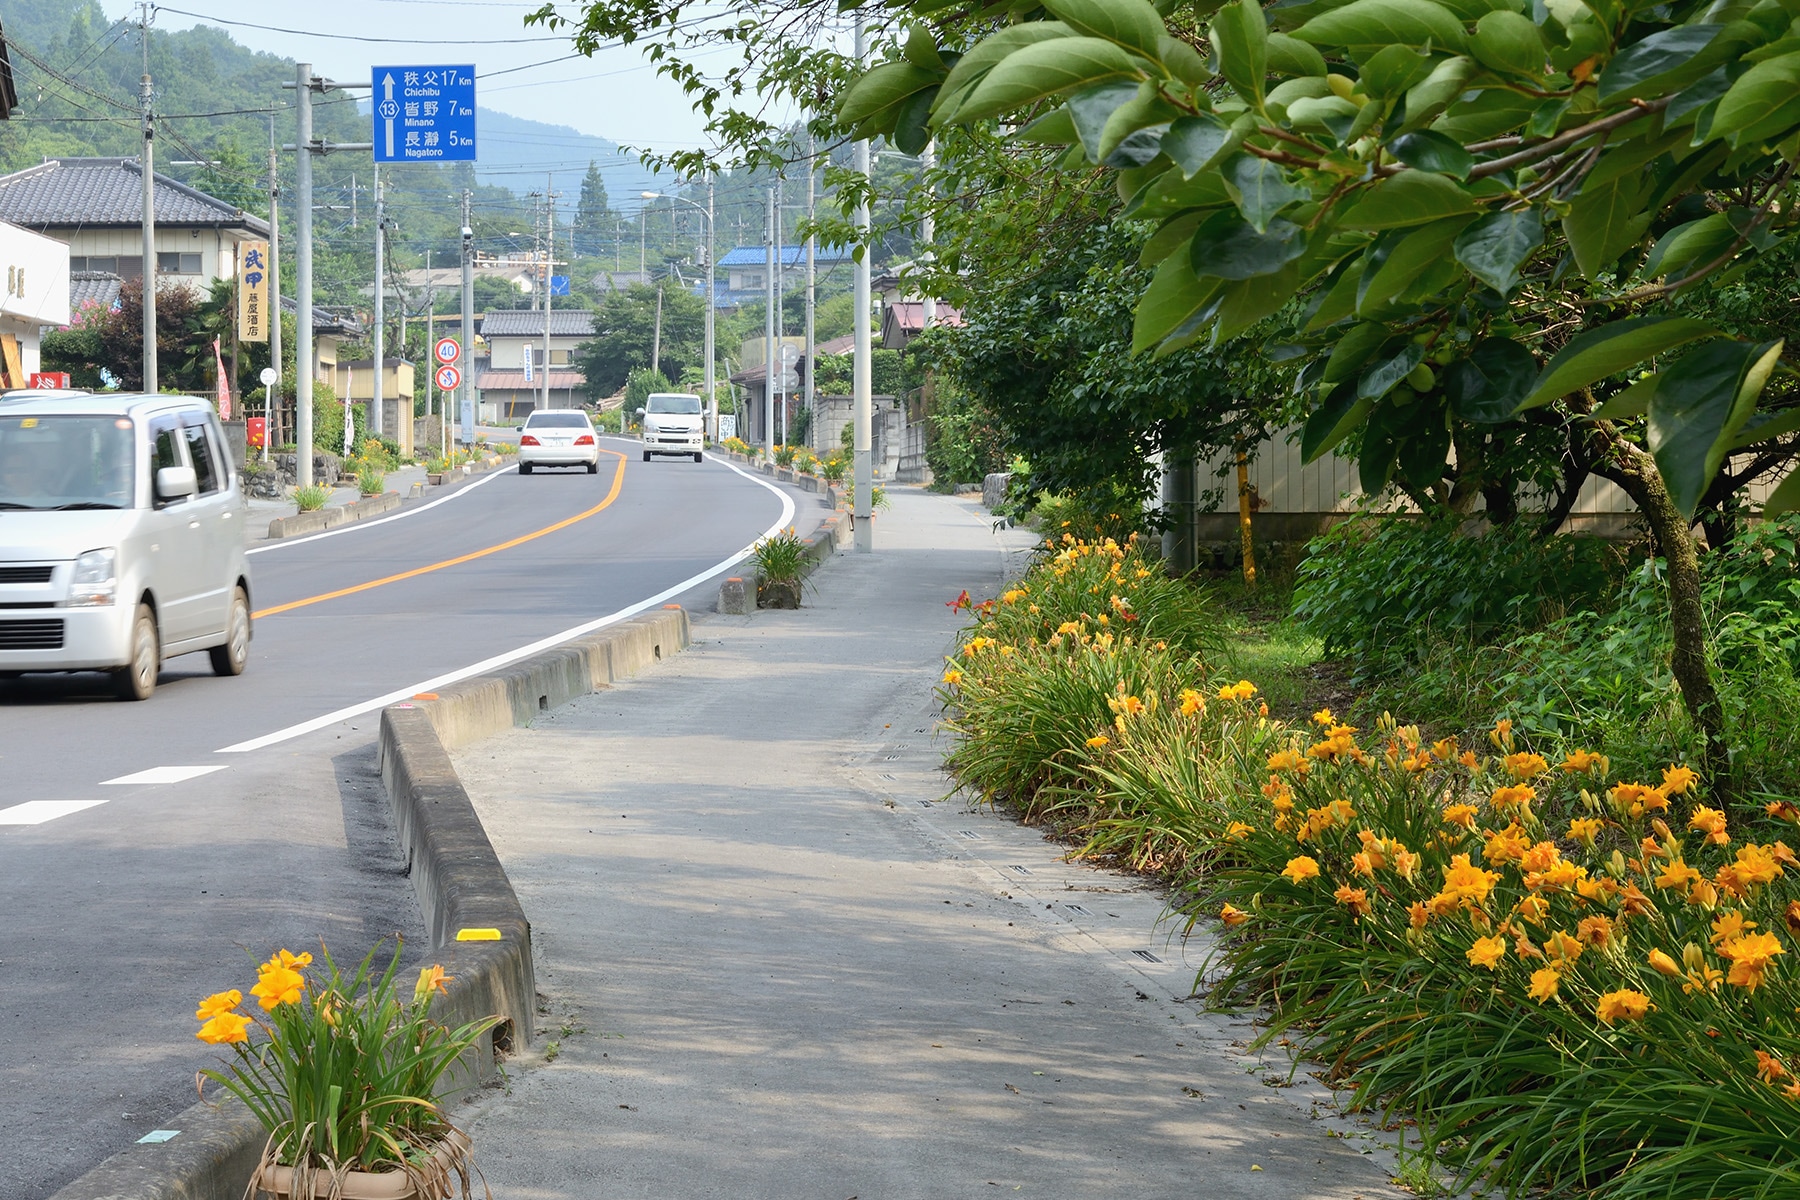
x,y
344,1075
780,574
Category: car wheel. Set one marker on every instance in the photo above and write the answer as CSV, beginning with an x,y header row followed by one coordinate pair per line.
x,y
699,457
230,658
524,468
646,456
137,679
593,468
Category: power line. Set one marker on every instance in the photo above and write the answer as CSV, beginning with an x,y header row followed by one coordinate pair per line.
x,y
357,37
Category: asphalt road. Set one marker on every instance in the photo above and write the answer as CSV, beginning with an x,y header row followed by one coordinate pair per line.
x,y
262,823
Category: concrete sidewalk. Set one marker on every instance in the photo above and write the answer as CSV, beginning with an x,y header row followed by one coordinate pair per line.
x,y
775,964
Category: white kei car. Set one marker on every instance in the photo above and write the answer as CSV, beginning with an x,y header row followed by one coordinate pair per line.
x,y
562,437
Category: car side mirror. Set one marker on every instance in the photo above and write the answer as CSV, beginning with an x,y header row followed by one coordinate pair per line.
x,y
176,483
639,413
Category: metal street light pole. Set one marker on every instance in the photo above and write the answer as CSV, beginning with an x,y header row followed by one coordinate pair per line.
x,y
769,334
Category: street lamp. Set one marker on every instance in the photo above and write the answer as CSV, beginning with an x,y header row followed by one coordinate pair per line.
x,y
712,400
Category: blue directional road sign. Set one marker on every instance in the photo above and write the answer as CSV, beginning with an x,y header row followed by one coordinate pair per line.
x,y
424,114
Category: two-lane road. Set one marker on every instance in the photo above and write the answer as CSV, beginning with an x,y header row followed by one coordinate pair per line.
x,y
151,849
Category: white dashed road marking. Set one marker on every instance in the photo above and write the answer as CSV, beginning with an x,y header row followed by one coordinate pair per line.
x,y
36,812
162,775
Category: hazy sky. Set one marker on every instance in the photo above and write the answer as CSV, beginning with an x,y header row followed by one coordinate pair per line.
x,y
615,94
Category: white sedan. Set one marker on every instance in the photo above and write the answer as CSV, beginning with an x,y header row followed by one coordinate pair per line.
x,y
558,438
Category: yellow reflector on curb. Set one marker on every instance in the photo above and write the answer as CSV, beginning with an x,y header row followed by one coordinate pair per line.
x,y
478,935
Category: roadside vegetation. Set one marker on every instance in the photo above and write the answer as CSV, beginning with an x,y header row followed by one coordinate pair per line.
x,y
1567,964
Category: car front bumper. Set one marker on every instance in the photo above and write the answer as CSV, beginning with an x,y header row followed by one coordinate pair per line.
x,y
92,639
674,443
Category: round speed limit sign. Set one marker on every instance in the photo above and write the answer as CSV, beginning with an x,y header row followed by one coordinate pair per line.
x,y
446,350
449,378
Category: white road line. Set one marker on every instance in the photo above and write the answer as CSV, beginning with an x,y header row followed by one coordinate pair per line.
x,y
36,812
354,526
161,775
542,644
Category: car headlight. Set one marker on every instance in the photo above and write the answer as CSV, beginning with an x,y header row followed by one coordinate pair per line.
x,y
96,579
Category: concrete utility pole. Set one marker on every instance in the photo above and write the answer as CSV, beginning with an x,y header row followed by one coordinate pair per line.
x,y
148,163
467,415
549,273
303,285
861,388
656,334
274,286
780,299
769,333
927,234
305,146
812,280
375,414
712,399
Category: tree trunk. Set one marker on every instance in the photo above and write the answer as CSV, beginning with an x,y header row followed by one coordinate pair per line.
x,y
1635,471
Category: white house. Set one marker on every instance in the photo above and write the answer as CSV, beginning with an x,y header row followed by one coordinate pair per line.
x,y
36,296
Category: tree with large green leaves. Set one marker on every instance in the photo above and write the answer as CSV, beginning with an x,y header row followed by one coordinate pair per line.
x,y
1487,207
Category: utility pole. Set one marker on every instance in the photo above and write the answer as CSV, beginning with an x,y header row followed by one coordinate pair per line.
x,y
274,288
769,333
712,401
656,334
375,414
148,163
643,271
812,268
303,284
305,146
434,396
928,233
467,415
862,386
780,297
549,272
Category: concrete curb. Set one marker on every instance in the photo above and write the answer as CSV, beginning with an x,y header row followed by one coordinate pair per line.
x,y
321,519
459,880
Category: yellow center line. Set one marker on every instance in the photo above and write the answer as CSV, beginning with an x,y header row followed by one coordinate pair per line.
x,y
611,495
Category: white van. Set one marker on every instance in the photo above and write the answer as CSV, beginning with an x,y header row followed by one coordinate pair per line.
x,y
673,424
121,538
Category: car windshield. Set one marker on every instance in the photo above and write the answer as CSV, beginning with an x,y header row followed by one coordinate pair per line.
x,y
65,462
557,420
687,406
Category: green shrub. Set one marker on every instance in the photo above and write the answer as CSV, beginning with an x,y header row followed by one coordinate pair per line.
x,y
784,455
833,467
966,442
328,419
1379,592
371,482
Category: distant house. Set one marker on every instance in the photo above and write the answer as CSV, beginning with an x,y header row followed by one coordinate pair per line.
x,y
500,379
903,309
742,275
332,327
95,207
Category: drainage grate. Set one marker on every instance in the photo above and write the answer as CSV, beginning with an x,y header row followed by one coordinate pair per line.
x,y
1146,956
1078,910
1016,870
970,834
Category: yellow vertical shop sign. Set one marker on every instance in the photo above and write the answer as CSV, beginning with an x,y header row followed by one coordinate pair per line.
x,y
253,292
